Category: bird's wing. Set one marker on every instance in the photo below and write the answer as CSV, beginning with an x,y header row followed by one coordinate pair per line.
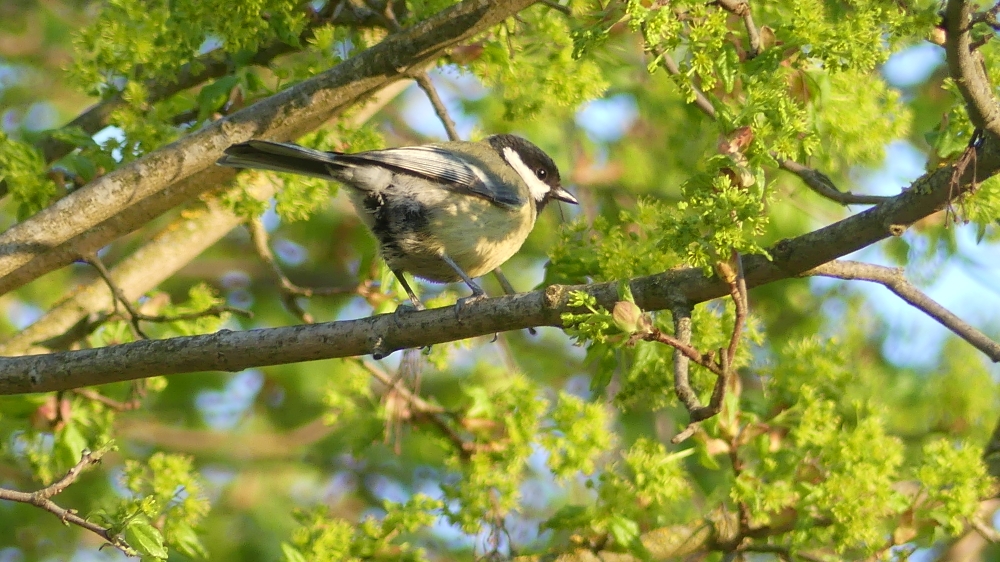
x,y
440,166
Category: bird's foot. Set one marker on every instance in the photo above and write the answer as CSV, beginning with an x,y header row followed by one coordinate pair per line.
x,y
403,309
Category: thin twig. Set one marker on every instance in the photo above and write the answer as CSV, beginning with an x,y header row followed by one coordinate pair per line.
x,y
738,291
984,530
558,7
727,357
706,360
42,498
823,185
814,179
742,9
686,433
893,279
421,408
134,316
385,14
424,81
700,100
722,367
117,295
118,406
989,17
683,355
215,310
290,291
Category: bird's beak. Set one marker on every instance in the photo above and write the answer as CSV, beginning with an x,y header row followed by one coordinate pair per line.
x,y
563,195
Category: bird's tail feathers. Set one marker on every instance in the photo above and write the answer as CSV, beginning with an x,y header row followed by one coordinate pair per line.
x,y
281,157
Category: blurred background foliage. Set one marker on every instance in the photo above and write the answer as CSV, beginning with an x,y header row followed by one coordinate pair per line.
x,y
857,428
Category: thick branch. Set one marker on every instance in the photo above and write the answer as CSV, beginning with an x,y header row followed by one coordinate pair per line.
x,y
129,197
893,279
210,65
170,250
175,246
967,69
233,351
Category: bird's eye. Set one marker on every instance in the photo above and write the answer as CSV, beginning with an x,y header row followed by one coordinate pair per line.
x,y
541,173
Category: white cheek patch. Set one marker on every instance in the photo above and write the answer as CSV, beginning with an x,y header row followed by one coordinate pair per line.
x,y
536,187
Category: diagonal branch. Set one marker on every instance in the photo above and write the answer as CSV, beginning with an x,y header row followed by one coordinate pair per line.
x,y
176,245
129,197
211,65
43,499
118,295
893,279
424,81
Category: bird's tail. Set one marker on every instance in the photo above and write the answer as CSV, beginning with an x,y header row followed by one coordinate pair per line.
x,y
282,157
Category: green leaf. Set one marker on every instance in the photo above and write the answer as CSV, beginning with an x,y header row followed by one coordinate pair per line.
x,y
145,538
569,517
291,553
186,541
70,446
625,532
75,136
213,96
81,165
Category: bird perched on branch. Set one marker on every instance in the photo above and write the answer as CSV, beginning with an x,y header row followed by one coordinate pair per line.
x,y
443,212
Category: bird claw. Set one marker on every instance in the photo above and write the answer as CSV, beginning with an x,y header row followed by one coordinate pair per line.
x,y
403,309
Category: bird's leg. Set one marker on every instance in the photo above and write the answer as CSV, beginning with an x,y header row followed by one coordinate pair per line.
x,y
507,287
477,291
404,308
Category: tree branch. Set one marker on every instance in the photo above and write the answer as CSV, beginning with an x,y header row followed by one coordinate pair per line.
x,y
206,67
383,334
211,65
118,296
814,179
824,186
43,499
967,68
893,279
175,246
424,81
130,196
702,102
742,9
171,249
230,351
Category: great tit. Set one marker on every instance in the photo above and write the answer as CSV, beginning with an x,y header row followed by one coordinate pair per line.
x,y
443,212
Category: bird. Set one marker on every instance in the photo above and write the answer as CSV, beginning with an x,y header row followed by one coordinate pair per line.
x,y
444,212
